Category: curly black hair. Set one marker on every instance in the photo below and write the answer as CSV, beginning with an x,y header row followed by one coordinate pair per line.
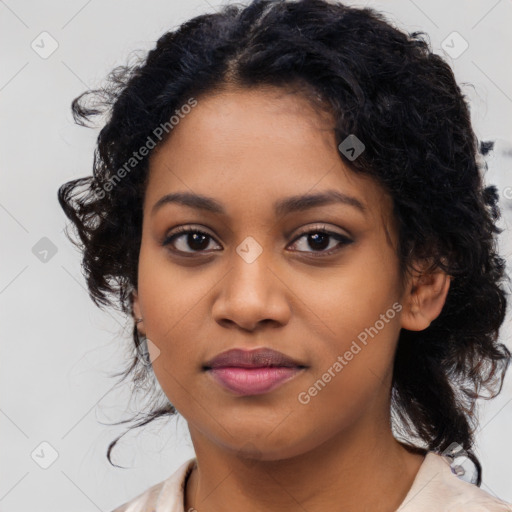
x,y
384,86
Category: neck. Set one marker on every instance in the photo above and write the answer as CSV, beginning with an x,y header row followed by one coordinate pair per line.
x,y
360,470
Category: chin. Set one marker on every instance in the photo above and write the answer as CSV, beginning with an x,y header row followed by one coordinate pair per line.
x,y
258,446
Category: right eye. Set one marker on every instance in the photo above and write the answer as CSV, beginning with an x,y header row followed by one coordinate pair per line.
x,y
184,237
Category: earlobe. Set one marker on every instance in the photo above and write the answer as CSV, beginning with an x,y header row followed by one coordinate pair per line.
x,y
424,299
137,312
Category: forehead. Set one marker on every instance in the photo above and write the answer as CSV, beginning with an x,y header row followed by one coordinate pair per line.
x,y
248,127
251,147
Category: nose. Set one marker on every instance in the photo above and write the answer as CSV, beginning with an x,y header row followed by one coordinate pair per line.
x,y
252,295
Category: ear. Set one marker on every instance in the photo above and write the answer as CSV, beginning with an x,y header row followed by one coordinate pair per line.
x,y
137,312
424,297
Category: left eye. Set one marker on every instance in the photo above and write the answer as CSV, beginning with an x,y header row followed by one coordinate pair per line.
x,y
198,241
320,239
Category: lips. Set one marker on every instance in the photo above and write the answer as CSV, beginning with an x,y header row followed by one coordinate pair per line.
x,y
252,372
258,358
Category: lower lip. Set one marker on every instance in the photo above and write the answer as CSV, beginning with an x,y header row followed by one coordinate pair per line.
x,y
253,381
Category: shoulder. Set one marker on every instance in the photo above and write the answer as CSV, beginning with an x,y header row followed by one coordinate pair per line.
x,y
168,492
144,502
436,487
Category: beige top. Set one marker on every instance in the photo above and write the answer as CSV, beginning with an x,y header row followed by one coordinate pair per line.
x,y
435,489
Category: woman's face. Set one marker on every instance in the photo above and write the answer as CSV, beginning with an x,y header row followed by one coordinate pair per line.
x,y
331,303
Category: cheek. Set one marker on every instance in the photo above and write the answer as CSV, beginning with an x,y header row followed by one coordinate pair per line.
x,y
352,377
352,313
170,299
345,299
170,294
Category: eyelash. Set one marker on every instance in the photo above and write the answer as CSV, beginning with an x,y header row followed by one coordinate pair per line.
x,y
185,230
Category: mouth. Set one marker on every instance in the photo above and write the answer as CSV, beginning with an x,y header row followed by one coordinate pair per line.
x,y
252,372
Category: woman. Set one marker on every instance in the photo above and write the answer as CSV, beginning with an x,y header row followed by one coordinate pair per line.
x,y
288,199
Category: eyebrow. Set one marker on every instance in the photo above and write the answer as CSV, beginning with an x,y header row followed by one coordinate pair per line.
x,y
281,207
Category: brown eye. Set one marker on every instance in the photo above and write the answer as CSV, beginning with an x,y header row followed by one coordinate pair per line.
x,y
189,241
318,240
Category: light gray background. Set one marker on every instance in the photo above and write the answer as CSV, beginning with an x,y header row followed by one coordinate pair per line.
x,y
57,347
